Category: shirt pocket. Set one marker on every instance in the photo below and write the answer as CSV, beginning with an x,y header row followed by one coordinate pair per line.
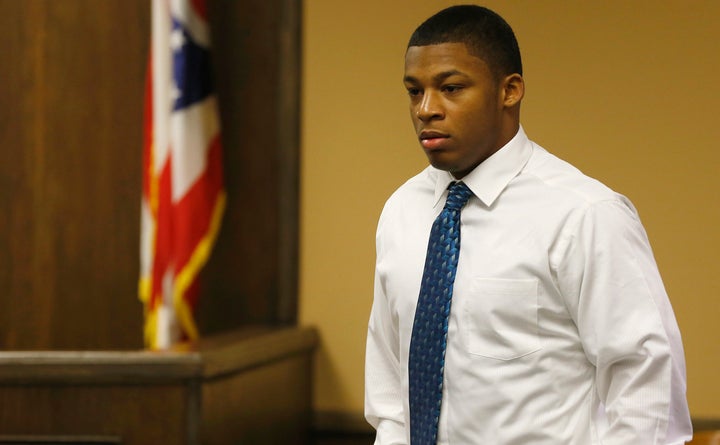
x,y
500,318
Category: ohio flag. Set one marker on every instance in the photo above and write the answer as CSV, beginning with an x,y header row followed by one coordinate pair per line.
x,y
183,196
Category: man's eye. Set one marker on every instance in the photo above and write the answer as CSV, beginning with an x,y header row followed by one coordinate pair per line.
x,y
452,88
412,92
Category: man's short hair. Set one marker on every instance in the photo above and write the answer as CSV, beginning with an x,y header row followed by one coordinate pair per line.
x,y
484,33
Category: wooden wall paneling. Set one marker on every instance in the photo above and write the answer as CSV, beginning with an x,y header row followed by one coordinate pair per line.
x,y
289,85
18,119
252,274
71,183
141,397
258,392
94,75
70,135
140,414
268,405
75,439
248,386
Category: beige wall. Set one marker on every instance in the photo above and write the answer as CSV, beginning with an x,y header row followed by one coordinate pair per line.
x,y
626,90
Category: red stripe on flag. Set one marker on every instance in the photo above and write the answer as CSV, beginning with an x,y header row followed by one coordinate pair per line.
x,y
182,226
164,234
148,131
200,7
177,235
200,200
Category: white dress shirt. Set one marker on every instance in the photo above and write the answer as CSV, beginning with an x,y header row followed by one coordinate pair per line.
x,y
560,331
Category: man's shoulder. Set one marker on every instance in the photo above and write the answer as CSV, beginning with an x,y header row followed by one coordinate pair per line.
x,y
410,195
422,184
566,179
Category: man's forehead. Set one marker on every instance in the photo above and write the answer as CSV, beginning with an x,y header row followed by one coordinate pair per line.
x,y
438,47
441,57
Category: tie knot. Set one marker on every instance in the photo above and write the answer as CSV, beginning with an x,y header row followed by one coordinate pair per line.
x,y
458,194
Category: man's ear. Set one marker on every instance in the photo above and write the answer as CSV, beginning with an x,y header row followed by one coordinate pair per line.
x,y
513,89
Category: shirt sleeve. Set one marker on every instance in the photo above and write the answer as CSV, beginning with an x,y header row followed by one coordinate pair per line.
x,y
383,395
627,327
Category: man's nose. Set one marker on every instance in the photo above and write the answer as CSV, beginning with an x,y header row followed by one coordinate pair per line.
x,y
429,107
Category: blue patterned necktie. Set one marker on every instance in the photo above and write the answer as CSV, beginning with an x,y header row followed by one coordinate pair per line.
x,y
429,335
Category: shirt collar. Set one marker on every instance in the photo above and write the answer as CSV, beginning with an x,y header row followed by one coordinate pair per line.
x,y
491,177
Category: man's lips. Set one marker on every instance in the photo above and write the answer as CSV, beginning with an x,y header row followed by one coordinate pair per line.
x,y
432,140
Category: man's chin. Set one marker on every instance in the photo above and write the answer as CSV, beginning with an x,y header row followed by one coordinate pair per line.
x,y
443,164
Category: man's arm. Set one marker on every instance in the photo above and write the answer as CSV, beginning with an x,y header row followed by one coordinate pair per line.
x,y
627,327
383,395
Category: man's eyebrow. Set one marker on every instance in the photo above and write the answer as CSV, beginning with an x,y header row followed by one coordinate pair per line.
x,y
439,77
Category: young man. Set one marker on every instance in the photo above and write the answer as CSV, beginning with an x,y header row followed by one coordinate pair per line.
x,y
551,325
